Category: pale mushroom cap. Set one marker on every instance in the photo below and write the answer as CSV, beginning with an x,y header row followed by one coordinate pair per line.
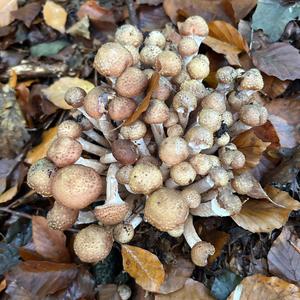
x,y
145,178
231,158
156,38
227,118
215,101
183,173
123,174
173,150
172,120
40,175
124,151
177,231
253,114
157,112
166,209
219,176
168,63
201,163
121,108
182,76
195,87
131,83
175,130
184,102
76,186
199,138
112,59
74,96
134,53
93,243
111,214
149,159
129,35
123,233
223,140
200,253
164,89
243,183
198,67
226,75
194,25
187,46
214,160
61,217
64,151
192,197
134,131
70,129
237,100
149,54
230,202
252,80
210,119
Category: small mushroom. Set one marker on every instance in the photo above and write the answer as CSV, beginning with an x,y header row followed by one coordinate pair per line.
x,y
121,108
129,35
198,67
123,174
215,101
226,77
181,174
210,119
175,130
168,63
251,82
155,38
231,157
149,54
195,87
187,48
243,183
192,197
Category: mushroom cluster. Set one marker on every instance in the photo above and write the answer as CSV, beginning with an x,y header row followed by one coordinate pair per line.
x,y
176,161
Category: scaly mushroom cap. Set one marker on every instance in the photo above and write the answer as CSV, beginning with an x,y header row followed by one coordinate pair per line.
x,y
172,120
228,201
93,243
238,100
210,119
40,175
166,209
219,176
145,178
157,112
243,183
76,186
168,63
195,87
194,25
192,197
156,38
227,118
198,67
253,114
121,108
231,158
173,150
74,96
123,233
164,89
134,53
199,138
123,174
182,76
64,151
112,59
61,217
111,214
175,130
70,129
129,35
149,54
187,46
226,75
201,163
184,102
215,101
124,151
131,83
134,131
183,173
252,80
200,253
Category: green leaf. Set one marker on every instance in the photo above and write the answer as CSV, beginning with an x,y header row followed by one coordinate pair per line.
x,y
48,49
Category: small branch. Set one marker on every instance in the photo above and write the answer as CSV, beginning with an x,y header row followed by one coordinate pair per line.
x,y
17,213
132,13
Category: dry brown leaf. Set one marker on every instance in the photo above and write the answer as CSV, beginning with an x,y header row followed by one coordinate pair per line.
x,y
41,149
284,256
192,290
264,216
55,16
262,287
6,7
273,86
9,194
242,8
144,267
2,285
27,13
154,81
56,92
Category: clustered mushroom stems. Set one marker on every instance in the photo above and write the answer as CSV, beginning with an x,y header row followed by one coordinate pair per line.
x,y
179,154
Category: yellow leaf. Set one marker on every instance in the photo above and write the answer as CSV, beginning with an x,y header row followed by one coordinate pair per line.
x,y
262,287
6,7
56,92
144,267
2,285
40,150
9,194
55,16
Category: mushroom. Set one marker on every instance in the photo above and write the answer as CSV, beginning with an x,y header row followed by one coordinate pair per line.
x,y
195,87
238,100
123,174
201,250
121,108
135,55
175,130
192,197
231,157
124,291
155,38
93,243
198,67
129,35
202,163
172,120
149,54
187,48
215,101
210,119
243,183
168,63
182,76
226,77
251,82
114,210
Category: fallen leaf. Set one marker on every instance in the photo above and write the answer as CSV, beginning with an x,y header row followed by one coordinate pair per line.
x,y
40,150
56,92
81,28
27,13
284,256
262,287
153,83
9,194
2,285
192,290
48,242
48,49
6,7
262,215
281,60
108,292
176,275
55,16
144,267
274,87
242,8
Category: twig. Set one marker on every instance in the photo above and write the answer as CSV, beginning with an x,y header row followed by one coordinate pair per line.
x,y
132,13
17,213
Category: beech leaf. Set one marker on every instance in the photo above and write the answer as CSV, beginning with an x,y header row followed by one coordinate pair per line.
x,y
55,16
273,86
27,13
144,267
6,7
9,194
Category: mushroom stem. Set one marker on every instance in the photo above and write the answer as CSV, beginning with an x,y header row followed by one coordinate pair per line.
x,y
92,148
112,186
108,159
107,128
92,134
170,183
92,163
203,185
135,221
211,150
158,133
190,234
198,39
92,120
165,171
142,147
183,117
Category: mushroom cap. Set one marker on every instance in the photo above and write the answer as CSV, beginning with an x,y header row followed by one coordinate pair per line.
x,y
111,214
192,197
237,100
149,54
124,151
227,118
194,25
123,174
201,163
132,82
157,112
129,35
64,151
168,63
74,96
123,233
252,80
112,59
121,108
70,129
134,131
210,119
40,175
215,101
61,217
226,75
199,138
183,173
215,161
155,38
184,102
145,178
228,201
149,159
223,140
76,186
166,209
187,46
253,114
175,130
219,176
134,53
182,76
200,253
164,89
177,231
242,183
173,150
195,87
172,120
198,67
231,158
93,243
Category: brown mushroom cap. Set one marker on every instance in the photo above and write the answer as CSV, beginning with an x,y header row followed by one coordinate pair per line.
x,y
198,67
166,209
201,163
134,53
40,175
228,201
156,38
184,102
194,25
123,233
164,89
112,59
231,157
175,130
121,108
210,119
70,129
157,112
219,176
124,151
145,178
200,253
149,54
64,151
75,96
168,63
129,35
93,243
252,80
172,120
215,101
61,217
183,173
253,114
187,46
76,186
134,131
182,76
237,100
199,138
